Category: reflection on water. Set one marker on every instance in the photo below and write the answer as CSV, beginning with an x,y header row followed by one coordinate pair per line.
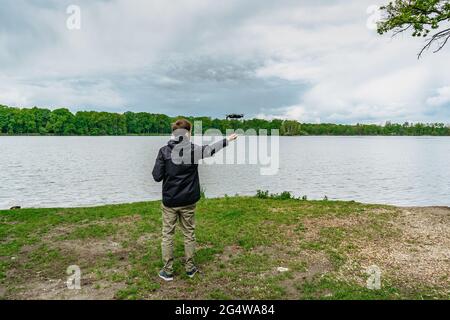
x,y
85,171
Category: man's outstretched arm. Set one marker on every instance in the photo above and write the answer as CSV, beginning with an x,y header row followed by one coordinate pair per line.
x,y
210,150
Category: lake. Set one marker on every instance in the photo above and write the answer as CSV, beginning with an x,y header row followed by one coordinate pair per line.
x,y
88,171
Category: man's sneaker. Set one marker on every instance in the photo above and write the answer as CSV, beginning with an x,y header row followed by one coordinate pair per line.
x,y
165,276
192,273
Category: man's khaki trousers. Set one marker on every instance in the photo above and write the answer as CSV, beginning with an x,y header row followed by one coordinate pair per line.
x,y
170,216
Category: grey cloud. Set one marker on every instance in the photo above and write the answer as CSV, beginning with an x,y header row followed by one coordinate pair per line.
x,y
205,69
299,59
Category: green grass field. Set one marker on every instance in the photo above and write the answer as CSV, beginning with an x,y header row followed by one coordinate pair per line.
x,y
242,241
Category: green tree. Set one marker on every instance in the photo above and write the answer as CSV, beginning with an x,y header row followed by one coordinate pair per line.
x,y
41,118
4,118
290,128
421,17
61,122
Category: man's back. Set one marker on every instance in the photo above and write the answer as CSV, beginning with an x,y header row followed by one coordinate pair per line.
x,y
177,166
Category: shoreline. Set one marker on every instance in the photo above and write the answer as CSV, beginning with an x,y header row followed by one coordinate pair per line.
x,y
96,206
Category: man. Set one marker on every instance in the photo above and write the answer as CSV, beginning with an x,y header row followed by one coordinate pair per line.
x,y
177,166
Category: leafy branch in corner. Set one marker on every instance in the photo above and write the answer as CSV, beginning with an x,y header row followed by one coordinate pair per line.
x,y
429,19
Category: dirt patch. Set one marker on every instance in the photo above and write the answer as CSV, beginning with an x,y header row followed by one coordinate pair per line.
x,y
52,284
302,265
421,252
2,292
276,252
313,226
147,237
127,219
317,264
64,230
56,289
92,248
229,252
60,231
280,210
108,256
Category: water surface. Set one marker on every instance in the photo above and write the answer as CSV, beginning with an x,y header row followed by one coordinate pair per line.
x,y
87,171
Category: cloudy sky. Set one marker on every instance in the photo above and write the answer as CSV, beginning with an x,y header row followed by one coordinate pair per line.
x,y
312,60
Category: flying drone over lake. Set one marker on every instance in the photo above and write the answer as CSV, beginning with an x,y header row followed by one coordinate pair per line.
x,y
234,116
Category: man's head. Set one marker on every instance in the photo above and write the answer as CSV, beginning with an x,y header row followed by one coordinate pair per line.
x,y
181,127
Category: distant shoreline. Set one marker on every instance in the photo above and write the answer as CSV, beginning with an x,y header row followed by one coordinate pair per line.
x,y
168,135
63,122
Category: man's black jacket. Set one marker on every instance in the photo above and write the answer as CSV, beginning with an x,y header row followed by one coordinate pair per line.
x,y
177,166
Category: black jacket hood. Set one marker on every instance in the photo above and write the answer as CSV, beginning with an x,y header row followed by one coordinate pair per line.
x,y
179,140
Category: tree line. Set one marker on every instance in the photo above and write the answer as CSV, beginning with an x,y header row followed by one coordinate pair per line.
x,y
39,121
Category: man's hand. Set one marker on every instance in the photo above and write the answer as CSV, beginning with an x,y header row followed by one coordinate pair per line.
x,y
232,137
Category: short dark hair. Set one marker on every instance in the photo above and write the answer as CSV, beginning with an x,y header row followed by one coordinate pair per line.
x,y
181,124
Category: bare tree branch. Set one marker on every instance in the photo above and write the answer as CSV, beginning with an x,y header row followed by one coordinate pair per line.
x,y
436,37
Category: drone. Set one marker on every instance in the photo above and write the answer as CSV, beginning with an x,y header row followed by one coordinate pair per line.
x,y
234,116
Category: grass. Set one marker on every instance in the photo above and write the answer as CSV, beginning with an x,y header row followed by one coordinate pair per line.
x,y
241,243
